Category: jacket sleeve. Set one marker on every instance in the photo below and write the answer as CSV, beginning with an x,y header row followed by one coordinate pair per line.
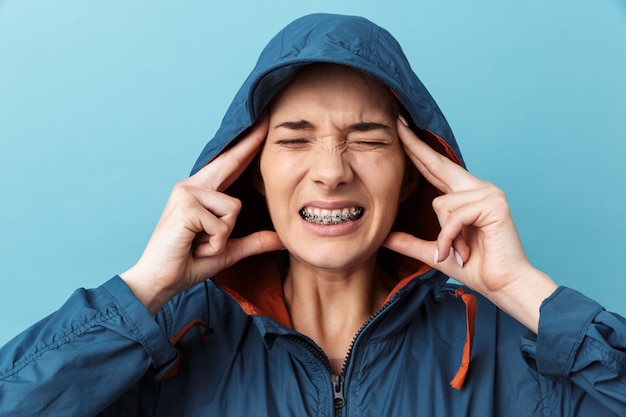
x,y
80,359
581,352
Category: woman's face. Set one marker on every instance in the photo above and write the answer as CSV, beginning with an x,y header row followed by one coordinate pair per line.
x,y
332,167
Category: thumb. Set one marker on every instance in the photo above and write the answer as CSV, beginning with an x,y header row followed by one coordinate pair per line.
x,y
253,244
411,246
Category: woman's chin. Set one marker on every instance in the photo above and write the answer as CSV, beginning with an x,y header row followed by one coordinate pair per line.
x,y
330,258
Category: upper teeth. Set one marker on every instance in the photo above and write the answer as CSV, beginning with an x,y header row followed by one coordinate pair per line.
x,y
336,216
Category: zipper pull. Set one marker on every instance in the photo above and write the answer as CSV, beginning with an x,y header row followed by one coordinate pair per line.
x,y
338,399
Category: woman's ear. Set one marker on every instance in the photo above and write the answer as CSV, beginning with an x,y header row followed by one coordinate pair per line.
x,y
410,180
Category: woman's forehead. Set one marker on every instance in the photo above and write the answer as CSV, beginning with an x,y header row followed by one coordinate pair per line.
x,y
332,84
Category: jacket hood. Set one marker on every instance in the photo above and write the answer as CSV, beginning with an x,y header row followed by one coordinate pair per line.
x,y
346,40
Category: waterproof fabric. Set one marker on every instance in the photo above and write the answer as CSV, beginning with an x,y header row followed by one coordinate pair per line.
x,y
225,347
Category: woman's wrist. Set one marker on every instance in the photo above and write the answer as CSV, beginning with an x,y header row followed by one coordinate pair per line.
x,y
145,290
522,298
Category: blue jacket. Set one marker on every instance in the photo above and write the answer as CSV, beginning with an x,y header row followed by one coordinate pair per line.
x,y
226,347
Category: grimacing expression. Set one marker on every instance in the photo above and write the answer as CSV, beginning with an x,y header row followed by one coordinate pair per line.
x,y
332,166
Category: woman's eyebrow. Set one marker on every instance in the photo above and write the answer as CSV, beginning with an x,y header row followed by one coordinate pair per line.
x,y
296,125
358,127
367,126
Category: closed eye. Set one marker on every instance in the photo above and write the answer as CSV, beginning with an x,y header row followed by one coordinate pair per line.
x,y
371,143
292,142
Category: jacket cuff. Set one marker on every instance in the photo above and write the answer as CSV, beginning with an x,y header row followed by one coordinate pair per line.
x,y
565,317
141,323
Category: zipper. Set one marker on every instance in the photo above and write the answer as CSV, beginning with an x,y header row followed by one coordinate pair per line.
x,y
337,381
358,333
338,398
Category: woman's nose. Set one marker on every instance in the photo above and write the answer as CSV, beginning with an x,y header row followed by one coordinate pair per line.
x,y
330,168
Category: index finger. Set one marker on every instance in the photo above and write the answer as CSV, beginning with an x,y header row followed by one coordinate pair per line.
x,y
440,171
221,172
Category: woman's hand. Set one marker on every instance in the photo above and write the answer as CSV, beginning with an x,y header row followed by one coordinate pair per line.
x,y
191,240
478,244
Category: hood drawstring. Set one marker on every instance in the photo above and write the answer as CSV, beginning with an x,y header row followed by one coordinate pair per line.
x,y
203,329
470,317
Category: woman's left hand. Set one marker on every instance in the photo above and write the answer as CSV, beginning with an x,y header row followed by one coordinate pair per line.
x,y
478,244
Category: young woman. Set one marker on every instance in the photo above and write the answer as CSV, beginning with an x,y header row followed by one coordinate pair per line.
x,y
327,214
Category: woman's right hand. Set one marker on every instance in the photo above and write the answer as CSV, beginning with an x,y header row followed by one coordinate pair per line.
x,y
191,240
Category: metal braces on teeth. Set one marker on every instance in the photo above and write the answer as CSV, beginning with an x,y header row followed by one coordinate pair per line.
x,y
331,219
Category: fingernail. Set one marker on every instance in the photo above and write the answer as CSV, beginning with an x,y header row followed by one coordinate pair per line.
x,y
458,258
403,120
436,258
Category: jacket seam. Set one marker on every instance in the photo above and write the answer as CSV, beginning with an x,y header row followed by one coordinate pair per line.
x,y
544,392
65,339
577,345
131,325
168,320
609,359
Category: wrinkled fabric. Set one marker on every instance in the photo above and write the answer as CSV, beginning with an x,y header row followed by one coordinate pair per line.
x,y
221,348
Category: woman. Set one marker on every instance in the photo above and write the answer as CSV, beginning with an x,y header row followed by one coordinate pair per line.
x,y
312,213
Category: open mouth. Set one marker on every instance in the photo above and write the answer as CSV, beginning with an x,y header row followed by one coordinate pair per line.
x,y
330,217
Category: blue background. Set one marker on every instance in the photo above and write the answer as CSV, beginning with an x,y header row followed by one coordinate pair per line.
x,y
104,106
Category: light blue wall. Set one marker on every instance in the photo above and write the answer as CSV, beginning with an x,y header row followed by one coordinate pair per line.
x,y
104,105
